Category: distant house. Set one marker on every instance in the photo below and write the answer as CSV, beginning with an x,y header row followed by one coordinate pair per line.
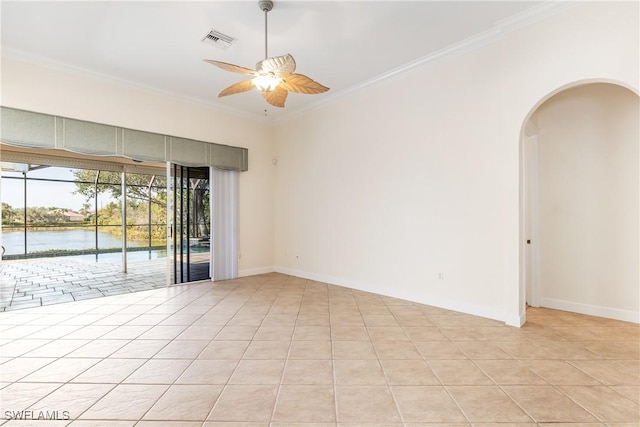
x,y
59,215
72,216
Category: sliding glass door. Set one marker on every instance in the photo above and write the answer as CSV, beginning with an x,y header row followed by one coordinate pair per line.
x,y
189,241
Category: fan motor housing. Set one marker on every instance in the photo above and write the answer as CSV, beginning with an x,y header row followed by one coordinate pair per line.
x,y
265,5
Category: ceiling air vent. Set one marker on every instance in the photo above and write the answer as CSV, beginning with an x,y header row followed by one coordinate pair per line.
x,y
216,38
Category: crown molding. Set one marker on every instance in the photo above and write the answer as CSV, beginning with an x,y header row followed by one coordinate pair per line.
x,y
52,64
536,14
500,30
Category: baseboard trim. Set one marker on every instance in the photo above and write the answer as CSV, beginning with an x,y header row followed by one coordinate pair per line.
x,y
516,321
255,271
592,310
472,309
575,307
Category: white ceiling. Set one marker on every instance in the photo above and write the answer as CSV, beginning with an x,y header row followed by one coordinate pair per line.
x,y
157,45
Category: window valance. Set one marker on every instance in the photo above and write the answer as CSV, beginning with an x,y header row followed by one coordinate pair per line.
x,y
36,130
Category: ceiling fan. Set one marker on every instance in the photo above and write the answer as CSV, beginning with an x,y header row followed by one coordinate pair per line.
x,y
274,77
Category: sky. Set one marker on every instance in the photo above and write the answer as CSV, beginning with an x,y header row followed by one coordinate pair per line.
x,y
41,193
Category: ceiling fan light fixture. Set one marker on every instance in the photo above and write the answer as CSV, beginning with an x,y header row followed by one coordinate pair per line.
x,y
266,82
274,76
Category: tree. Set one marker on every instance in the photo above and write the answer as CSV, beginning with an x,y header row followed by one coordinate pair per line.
x,y
141,189
42,215
85,210
110,182
11,215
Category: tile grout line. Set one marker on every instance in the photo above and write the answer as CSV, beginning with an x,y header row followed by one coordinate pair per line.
x,y
168,386
193,359
113,386
333,362
379,361
444,386
224,387
192,298
286,362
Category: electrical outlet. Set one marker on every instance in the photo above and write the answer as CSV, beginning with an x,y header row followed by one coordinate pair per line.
x,y
441,276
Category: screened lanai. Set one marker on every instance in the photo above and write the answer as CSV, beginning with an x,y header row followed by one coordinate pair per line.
x,y
90,209
78,229
67,234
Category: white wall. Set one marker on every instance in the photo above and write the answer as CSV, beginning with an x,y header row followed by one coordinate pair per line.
x,y
388,187
73,95
384,198
588,200
420,174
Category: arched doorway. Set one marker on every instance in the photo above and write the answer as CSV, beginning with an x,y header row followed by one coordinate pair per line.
x,y
580,195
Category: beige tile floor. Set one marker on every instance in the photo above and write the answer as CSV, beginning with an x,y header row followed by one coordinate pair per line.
x,y
279,351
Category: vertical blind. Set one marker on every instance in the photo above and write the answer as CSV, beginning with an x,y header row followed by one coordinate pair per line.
x,y
224,218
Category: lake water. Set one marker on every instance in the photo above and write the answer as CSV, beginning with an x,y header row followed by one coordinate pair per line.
x,y
13,242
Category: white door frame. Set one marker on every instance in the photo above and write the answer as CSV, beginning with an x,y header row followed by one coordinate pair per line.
x,y
532,218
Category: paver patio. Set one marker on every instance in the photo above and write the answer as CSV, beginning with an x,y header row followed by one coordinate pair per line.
x,y
44,281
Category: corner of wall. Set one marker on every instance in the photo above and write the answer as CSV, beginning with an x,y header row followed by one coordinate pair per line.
x,y
516,320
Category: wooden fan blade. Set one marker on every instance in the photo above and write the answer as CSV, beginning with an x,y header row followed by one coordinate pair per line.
x,y
280,65
239,87
276,97
302,84
231,67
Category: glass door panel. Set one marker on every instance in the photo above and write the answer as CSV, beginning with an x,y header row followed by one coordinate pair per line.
x,y
189,240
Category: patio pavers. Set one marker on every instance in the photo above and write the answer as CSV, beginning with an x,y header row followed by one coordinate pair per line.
x,y
44,281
